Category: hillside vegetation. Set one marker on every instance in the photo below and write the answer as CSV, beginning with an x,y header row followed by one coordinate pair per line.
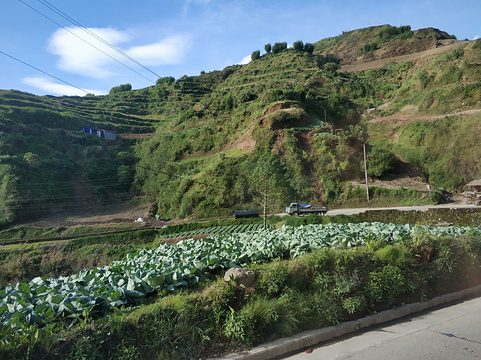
x,y
288,125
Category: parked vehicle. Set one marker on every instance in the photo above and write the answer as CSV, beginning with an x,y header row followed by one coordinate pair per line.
x,y
247,213
295,209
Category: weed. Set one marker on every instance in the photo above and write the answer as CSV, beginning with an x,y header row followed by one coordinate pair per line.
x,y
237,326
386,285
393,255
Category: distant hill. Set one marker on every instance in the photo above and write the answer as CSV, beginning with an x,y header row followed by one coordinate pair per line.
x,y
292,121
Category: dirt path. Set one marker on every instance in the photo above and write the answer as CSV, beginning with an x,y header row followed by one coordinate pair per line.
x,y
407,118
109,216
425,55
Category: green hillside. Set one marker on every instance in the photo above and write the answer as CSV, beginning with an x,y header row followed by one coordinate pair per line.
x,y
288,125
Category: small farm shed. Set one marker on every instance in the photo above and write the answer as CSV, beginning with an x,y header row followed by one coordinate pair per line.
x,y
109,135
474,185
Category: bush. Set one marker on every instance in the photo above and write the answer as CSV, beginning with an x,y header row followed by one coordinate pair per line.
x,y
369,47
393,255
381,160
298,45
477,45
278,47
386,285
119,89
309,48
389,32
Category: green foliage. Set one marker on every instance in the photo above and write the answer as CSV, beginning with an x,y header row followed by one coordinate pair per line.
x,y
453,55
165,80
477,44
461,217
401,32
445,169
381,160
394,255
321,219
369,47
321,288
120,89
386,285
298,45
309,48
8,195
255,55
275,101
278,47
267,181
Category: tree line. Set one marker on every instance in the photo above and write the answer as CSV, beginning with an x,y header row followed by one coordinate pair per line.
x,y
281,46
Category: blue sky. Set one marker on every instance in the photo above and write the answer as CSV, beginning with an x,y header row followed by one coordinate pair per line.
x,y
184,37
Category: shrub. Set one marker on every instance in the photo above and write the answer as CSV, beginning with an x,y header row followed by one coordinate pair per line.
x,y
386,285
477,44
309,48
369,47
388,32
392,255
278,47
120,89
381,160
298,45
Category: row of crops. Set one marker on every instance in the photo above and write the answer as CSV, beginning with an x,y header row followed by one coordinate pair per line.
x,y
219,230
181,265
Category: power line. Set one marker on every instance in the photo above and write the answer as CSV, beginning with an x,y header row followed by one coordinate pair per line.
x,y
88,31
85,41
44,72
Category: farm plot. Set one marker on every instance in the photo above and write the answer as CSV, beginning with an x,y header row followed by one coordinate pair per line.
x,y
181,265
218,230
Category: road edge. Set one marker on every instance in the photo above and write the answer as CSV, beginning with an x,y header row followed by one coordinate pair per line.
x,y
312,338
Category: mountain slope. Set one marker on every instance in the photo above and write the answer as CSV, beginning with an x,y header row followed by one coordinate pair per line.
x,y
303,115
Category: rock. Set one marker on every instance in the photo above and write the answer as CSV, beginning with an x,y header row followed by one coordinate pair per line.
x,y
240,276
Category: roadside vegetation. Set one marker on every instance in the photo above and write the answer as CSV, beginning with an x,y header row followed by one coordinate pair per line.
x,y
309,281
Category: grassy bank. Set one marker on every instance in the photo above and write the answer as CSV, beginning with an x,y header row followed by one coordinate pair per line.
x,y
23,262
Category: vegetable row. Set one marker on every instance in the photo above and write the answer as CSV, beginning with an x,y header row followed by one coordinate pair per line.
x,y
218,230
181,265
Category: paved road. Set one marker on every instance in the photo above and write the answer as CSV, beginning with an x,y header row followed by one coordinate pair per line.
x,y
453,332
355,211
402,208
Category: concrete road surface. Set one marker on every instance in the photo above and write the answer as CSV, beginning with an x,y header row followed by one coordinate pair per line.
x,y
402,208
451,333
354,211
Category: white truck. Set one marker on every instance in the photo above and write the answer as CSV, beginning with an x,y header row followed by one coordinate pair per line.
x,y
295,209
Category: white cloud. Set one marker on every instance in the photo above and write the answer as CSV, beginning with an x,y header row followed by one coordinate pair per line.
x,y
246,59
476,37
51,87
169,51
79,57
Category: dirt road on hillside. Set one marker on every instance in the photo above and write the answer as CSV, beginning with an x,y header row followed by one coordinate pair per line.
x,y
407,118
426,56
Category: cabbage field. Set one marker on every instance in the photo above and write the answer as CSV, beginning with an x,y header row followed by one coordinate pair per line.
x,y
217,230
182,265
